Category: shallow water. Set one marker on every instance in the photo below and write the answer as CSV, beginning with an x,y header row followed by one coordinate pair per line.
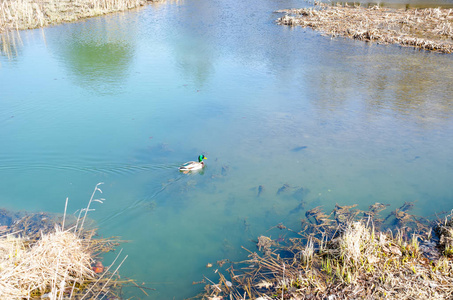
x,y
125,99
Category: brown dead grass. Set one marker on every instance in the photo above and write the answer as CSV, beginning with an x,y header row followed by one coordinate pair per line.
x,y
348,254
427,29
29,14
55,261
40,258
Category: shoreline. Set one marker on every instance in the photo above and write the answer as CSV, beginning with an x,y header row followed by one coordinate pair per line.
x,y
41,258
48,256
422,28
32,14
425,29
346,254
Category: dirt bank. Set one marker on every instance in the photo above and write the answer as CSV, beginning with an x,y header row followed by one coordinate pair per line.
x,y
427,29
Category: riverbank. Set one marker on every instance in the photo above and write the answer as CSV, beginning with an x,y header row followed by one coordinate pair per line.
x,y
347,254
427,29
30,14
44,256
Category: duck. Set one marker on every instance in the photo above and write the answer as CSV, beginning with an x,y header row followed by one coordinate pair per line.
x,y
193,165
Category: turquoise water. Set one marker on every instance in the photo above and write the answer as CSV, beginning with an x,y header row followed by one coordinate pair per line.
x,y
125,99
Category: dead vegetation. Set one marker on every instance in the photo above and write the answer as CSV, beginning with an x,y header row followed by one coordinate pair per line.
x,y
29,14
42,258
347,254
427,29
445,231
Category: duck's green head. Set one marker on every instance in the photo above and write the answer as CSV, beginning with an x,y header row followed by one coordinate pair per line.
x,y
201,157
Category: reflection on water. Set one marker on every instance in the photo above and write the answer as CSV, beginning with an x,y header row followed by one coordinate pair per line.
x,y
288,119
98,55
192,48
410,87
10,44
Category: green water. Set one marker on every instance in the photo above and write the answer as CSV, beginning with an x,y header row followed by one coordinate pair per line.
x,y
125,99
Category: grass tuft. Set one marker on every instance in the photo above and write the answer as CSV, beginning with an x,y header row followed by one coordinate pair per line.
x,y
41,259
348,254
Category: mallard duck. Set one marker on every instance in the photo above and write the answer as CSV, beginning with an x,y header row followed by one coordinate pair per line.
x,y
193,165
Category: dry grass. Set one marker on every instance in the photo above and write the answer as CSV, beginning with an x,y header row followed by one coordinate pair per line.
x,y
28,14
52,265
428,29
355,257
38,261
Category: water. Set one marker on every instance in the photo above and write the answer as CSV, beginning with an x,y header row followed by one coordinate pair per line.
x,y
125,99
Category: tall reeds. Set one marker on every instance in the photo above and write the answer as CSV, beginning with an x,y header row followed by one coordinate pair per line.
x,y
29,14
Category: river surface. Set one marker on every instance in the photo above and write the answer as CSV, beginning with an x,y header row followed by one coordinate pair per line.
x,y
126,98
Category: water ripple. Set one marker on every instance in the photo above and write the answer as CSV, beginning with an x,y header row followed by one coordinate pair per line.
x,y
138,204
116,169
